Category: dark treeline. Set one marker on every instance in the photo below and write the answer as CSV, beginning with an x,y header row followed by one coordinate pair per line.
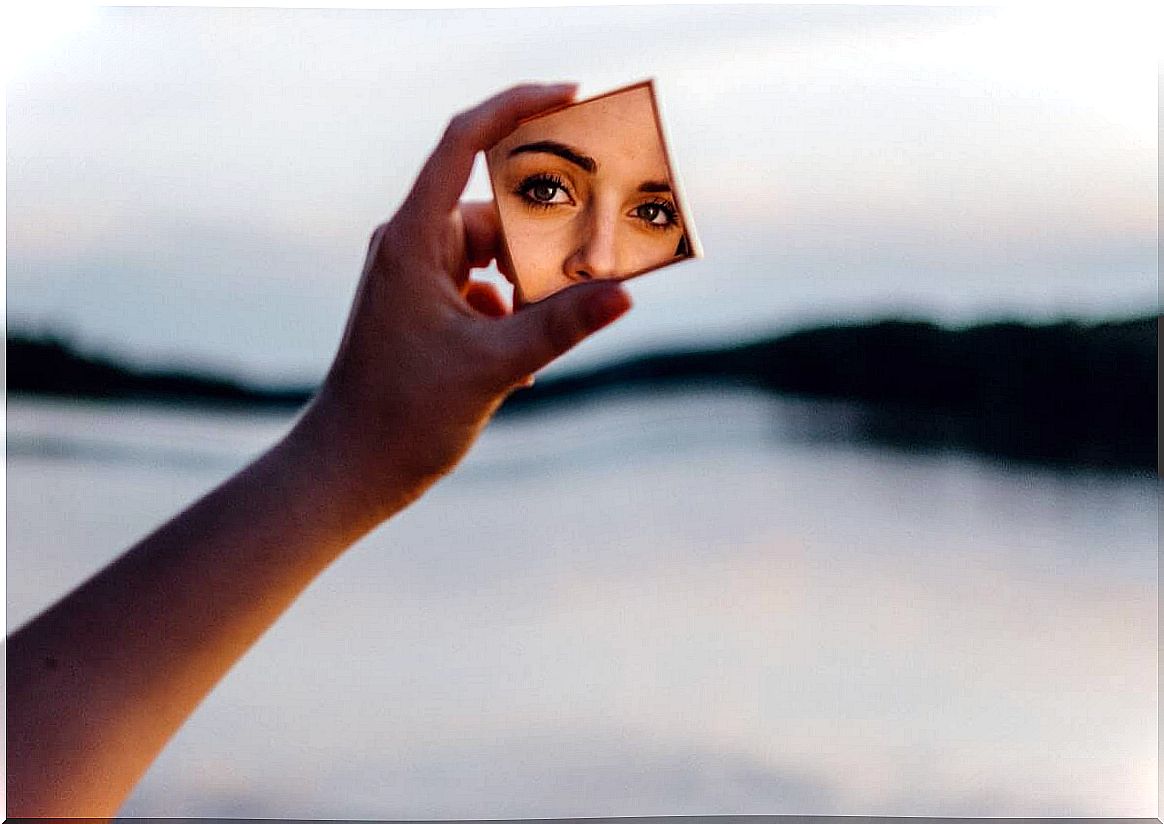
x,y
1072,393
49,365
1069,393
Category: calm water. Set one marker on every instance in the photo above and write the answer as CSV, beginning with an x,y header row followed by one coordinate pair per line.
x,y
669,604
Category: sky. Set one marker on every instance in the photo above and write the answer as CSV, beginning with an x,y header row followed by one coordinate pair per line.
x,y
197,185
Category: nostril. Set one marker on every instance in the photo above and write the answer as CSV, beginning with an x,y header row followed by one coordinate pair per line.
x,y
582,274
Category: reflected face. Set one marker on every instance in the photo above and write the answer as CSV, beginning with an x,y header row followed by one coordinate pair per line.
x,y
585,193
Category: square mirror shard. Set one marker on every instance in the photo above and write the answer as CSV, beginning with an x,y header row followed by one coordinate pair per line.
x,y
587,192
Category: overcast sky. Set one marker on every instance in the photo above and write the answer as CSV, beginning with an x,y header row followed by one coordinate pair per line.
x,y
198,184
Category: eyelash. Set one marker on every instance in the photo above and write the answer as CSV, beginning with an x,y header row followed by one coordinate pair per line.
x,y
541,179
667,208
527,185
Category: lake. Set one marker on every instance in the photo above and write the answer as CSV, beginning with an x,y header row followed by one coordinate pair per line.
x,y
694,602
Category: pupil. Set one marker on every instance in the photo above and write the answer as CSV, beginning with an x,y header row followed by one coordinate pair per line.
x,y
649,212
544,191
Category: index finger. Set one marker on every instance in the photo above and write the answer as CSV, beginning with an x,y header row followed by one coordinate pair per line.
x,y
440,183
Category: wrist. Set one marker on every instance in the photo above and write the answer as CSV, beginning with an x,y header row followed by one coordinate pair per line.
x,y
326,445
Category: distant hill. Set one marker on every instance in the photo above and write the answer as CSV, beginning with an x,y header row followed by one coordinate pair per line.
x,y
1067,393
51,366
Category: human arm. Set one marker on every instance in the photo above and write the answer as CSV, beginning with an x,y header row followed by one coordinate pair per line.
x,y
99,683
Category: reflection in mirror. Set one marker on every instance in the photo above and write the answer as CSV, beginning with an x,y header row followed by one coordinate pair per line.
x,y
586,192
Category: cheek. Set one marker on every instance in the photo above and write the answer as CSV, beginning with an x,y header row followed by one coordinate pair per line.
x,y
539,235
649,248
539,244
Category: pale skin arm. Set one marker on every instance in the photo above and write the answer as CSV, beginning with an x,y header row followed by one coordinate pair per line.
x,y
99,683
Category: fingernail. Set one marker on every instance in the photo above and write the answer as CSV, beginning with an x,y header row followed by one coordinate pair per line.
x,y
605,306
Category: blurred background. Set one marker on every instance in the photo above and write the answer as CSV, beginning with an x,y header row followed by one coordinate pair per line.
x,y
858,515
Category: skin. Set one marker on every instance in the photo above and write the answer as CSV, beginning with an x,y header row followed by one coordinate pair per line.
x,y
100,682
578,215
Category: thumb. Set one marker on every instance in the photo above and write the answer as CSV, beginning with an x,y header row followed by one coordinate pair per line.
x,y
540,332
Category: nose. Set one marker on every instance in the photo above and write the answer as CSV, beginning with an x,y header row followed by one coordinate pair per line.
x,y
596,253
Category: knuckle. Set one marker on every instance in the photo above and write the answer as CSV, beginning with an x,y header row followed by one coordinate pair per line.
x,y
389,230
383,242
375,241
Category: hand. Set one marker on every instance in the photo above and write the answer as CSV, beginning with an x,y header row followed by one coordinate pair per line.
x,y
429,354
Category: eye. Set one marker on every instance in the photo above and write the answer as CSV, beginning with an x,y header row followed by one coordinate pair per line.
x,y
658,214
544,190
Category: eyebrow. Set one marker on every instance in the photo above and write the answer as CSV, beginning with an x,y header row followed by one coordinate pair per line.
x,y
561,150
661,186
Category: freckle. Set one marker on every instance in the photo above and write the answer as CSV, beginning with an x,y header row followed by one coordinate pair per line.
x,y
50,662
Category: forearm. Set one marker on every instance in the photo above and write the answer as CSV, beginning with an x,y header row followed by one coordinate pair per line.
x,y
100,682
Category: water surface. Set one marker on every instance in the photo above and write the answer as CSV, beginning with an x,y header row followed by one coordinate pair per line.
x,y
684,603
